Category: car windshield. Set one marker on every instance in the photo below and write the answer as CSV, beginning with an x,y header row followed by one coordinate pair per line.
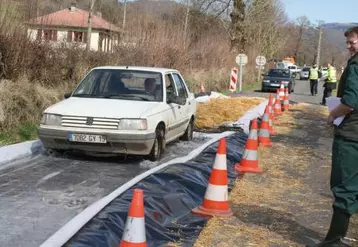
x,y
121,84
279,73
305,69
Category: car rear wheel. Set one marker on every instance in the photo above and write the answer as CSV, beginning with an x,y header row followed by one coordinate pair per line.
x,y
158,145
188,135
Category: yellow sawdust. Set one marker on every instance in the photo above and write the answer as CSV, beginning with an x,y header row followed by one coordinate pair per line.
x,y
218,111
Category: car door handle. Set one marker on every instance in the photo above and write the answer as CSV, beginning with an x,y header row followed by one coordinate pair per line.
x,y
189,103
179,106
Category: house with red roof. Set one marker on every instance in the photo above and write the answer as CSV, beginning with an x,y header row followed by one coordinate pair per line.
x,y
70,27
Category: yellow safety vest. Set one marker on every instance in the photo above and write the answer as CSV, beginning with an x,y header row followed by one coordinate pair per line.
x,y
331,75
313,73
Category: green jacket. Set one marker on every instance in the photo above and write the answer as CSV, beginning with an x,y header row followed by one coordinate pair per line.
x,y
348,92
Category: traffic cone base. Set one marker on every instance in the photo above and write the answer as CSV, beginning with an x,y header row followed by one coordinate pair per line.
x,y
201,210
215,201
248,169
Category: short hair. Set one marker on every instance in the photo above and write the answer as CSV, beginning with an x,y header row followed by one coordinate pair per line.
x,y
350,31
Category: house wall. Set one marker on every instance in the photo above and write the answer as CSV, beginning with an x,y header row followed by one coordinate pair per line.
x,y
62,38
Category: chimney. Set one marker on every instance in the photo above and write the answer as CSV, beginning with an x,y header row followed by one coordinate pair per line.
x,y
73,7
99,14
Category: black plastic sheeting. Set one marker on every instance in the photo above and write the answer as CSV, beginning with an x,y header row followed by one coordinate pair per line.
x,y
169,195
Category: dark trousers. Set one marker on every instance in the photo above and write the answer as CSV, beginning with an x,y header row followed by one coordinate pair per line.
x,y
327,92
313,86
344,175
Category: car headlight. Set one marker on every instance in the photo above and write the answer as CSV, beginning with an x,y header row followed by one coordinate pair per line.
x,y
51,119
132,124
266,80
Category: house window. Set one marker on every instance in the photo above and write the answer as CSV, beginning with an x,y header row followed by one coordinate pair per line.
x,y
80,37
50,35
39,34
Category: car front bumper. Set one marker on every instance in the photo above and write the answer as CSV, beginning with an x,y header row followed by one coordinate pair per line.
x,y
117,143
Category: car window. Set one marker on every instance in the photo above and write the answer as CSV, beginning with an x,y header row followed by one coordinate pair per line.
x,y
180,86
305,69
279,73
170,85
121,84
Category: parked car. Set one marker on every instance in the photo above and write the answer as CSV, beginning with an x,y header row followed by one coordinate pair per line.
x,y
295,70
324,72
272,80
121,110
304,73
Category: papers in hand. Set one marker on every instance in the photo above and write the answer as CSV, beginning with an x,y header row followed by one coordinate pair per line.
x,y
333,102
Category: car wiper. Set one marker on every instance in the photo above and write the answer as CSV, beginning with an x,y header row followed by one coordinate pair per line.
x,y
84,95
126,96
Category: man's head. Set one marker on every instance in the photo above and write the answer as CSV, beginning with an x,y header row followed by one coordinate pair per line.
x,y
352,40
149,84
314,65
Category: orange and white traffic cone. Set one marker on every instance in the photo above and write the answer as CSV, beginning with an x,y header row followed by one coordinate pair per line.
x,y
264,131
134,230
271,102
282,91
202,88
277,107
272,132
286,101
215,201
249,160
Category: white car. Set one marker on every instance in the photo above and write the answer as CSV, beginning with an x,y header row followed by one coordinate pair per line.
x,y
304,73
121,110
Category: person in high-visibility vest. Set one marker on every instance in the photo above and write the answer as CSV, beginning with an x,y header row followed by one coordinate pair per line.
x,y
313,77
344,170
330,83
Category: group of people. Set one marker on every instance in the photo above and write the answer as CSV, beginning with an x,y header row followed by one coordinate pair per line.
x,y
315,74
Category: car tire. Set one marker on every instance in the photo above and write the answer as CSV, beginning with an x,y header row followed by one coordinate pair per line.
x,y
188,135
158,145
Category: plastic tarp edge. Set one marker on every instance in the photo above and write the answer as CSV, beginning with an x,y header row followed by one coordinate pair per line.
x,y
19,150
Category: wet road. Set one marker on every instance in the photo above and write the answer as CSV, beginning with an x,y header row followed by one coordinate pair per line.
x,y
39,195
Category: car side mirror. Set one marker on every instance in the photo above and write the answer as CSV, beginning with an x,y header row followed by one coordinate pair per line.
x,y
67,95
263,74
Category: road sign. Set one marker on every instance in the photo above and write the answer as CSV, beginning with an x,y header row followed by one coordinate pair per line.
x,y
241,59
260,60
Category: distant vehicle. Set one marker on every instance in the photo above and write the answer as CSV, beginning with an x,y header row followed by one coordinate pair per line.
x,y
272,80
121,110
324,71
294,69
304,73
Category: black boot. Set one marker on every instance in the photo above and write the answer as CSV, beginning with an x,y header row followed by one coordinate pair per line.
x,y
337,230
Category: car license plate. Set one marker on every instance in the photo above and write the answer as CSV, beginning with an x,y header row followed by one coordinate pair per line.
x,y
275,84
87,138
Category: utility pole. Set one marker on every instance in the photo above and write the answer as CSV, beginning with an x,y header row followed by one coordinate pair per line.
x,y
89,31
124,15
319,42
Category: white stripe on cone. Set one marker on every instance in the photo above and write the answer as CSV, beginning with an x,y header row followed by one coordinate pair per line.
x,y
220,162
217,193
134,230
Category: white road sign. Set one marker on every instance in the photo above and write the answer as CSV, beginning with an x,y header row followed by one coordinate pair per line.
x,y
241,59
260,60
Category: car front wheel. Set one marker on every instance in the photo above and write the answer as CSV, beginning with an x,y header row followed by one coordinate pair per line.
x,y
158,146
188,135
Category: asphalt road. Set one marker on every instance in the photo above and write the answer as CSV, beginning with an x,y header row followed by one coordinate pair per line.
x,y
39,195
302,93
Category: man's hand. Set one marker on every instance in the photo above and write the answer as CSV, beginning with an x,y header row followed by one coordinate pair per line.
x,y
330,120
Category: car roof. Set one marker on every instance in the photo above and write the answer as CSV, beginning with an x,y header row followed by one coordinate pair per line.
x,y
140,68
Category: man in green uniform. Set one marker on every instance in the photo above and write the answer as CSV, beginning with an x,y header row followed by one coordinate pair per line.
x,y
344,173
330,83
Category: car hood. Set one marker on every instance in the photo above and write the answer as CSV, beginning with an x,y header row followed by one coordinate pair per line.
x,y
273,78
109,108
